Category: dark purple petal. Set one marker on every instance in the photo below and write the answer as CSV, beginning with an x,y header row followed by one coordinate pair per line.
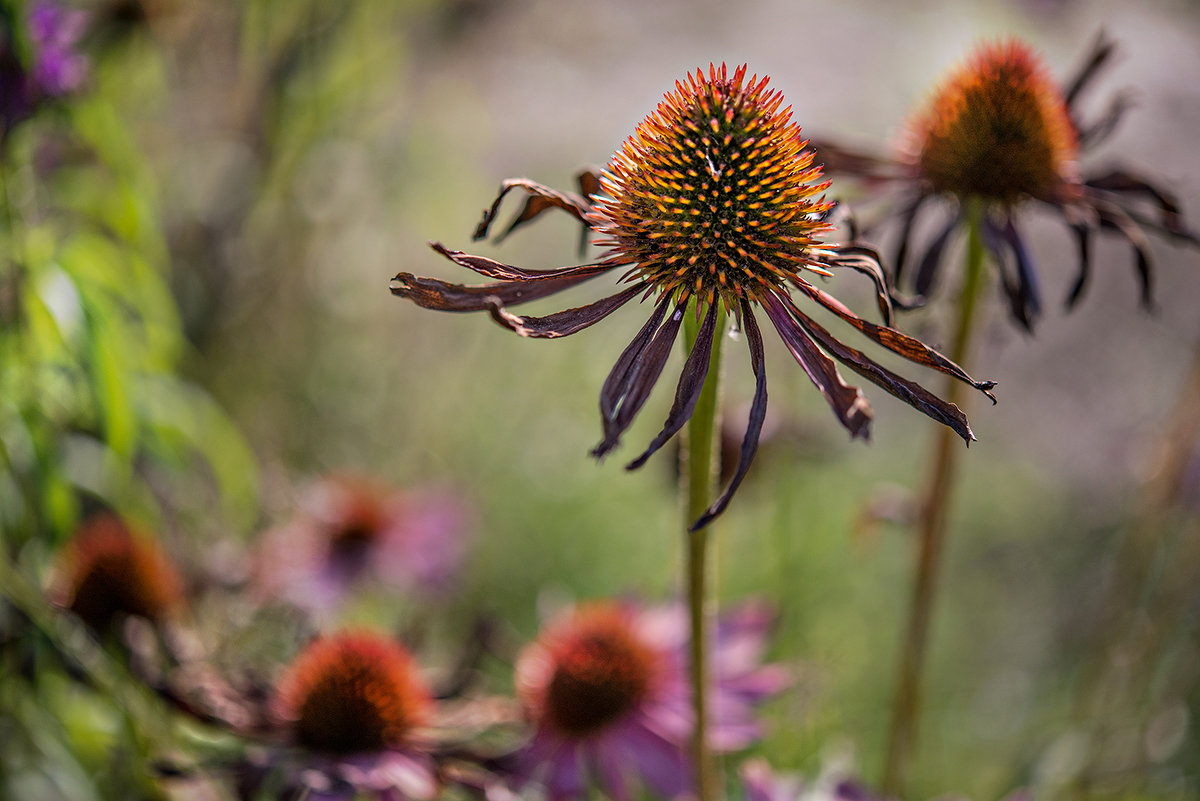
x,y
541,198
910,392
1025,266
1091,134
1101,128
663,764
908,218
640,380
611,766
847,402
758,412
896,341
1101,51
1083,243
1113,217
564,779
927,269
691,382
1126,183
563,323
1021,293
616,384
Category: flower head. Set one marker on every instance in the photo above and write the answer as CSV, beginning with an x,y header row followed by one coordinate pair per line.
x,y
998,128
714,195
713,204
54,32
605,688
55,67
109,572
353,703
353,529
351,693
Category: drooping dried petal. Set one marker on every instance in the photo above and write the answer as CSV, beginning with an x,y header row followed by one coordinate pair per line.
x,y
691,382
541,198
564,323
847,402
758,413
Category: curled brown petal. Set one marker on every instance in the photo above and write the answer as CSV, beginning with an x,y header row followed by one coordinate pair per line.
x,y
490,268
910,392
541,198
847,402
896,341
430,293
563,323
866,260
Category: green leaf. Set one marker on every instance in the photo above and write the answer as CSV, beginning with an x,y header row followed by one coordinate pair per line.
x,y
186,415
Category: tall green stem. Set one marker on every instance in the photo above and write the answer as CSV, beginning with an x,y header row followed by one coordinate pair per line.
x,y
931,529
700,468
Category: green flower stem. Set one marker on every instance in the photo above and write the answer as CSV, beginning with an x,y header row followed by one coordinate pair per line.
x,y
700,470
931,524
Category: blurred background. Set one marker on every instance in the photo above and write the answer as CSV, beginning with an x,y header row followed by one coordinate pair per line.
x,y
280,160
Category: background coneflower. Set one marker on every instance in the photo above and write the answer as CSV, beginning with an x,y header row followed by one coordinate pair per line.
x,y
606,689
996,135
108,571
999,129
352,532
354,704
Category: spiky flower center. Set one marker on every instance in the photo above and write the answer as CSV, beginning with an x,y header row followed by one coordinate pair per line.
x,y
588,671
352,693
997,128
355,514
112,572
714,194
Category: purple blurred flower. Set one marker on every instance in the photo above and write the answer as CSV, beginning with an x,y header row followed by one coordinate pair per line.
x,y
606,689
54,32
56,67
760,783
352,530
353,708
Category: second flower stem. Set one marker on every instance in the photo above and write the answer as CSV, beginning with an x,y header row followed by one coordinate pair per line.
x,y
934,506
700,471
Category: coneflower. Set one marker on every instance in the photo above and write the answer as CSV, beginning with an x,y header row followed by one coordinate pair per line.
x,y
107,571
996,136
353,706
1000,129
605,687
713,204
352,531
